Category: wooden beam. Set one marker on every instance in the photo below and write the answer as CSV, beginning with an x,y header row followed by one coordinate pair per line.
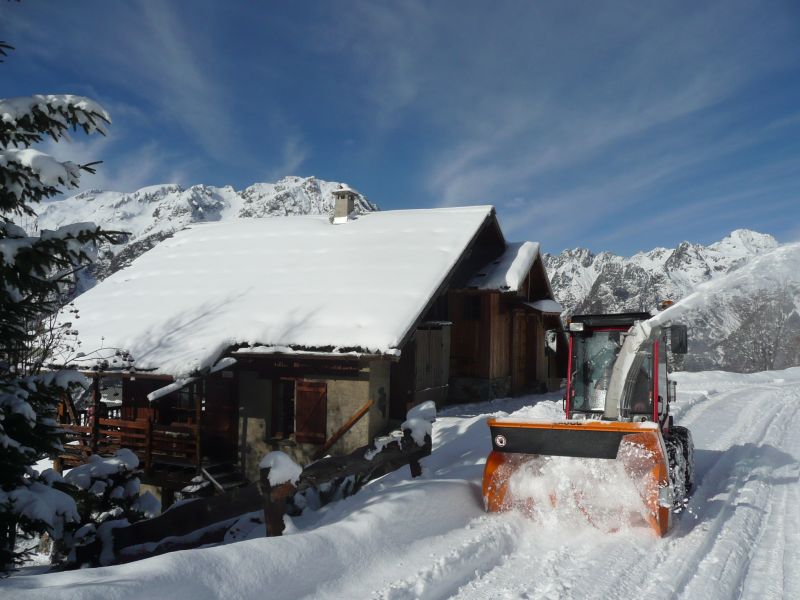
x,y
343,429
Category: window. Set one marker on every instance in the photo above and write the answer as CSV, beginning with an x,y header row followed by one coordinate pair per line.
x,y
184,404
593,361
283,408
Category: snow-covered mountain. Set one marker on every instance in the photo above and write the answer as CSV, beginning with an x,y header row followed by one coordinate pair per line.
x,y
749,319
751,322
585,282
153,213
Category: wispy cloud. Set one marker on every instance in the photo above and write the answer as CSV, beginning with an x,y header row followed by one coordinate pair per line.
x,y
173,66
295,152
562,114
170,74
123,171
384,43
555,113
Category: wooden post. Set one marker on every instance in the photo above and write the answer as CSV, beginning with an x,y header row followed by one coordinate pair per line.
x,y
148,453
58,463
95,412
416,468
198,411
274,505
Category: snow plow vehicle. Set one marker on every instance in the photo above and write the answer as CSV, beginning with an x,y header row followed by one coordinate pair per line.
x,y
616,405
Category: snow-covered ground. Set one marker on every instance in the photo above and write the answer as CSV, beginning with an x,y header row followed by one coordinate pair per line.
x,y
429,538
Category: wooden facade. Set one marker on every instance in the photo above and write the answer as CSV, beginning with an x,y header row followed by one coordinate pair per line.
x,y
498,345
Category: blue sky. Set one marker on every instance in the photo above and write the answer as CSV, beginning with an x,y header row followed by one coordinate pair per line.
x,y
616,126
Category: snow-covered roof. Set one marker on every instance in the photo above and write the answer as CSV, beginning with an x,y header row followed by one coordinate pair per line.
x,y
508,271
296,282
546,306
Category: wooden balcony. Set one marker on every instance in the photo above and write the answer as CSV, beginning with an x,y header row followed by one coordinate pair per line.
x,y
176,444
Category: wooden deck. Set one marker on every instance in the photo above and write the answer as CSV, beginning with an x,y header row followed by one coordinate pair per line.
x,y
175,444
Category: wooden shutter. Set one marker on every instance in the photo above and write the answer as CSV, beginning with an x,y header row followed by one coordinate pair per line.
x,y
311,411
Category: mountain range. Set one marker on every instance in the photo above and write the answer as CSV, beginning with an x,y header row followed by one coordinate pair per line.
x,y
748,324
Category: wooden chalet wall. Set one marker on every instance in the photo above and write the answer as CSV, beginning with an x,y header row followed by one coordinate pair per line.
x,y
423,371
497,346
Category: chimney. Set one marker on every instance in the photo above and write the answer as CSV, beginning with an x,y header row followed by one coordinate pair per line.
x,y
345,200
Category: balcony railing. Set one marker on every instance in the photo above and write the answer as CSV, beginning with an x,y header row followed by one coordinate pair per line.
x,y
153,443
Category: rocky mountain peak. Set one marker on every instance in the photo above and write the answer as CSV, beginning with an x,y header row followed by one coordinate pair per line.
x,y
604,283
607,282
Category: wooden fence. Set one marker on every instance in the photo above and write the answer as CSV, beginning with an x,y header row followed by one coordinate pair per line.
x,y
204,521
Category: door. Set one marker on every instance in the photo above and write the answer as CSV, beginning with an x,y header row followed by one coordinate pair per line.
x,y
220,419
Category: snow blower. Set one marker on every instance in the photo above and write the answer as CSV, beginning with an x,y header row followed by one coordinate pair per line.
x,y
617,409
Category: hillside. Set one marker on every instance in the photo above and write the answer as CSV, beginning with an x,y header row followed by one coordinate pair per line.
x,y
154,213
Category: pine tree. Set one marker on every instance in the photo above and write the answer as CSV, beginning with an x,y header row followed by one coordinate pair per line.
x,y
34,271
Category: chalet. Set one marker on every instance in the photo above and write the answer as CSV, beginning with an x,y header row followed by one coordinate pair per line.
x,y
306,334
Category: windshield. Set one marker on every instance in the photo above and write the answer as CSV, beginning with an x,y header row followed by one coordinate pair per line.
x,y
593,359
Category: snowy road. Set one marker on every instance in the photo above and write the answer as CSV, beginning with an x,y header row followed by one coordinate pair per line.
x,y
429,538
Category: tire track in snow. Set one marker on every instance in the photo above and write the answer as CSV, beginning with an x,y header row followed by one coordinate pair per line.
x,y
716,552
773,550
761,503
493,539
550,563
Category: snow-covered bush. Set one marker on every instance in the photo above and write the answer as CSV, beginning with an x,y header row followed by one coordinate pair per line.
x,y
34,271
106,491
28,431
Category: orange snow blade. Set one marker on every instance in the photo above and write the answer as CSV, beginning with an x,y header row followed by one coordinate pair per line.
x,y
639,446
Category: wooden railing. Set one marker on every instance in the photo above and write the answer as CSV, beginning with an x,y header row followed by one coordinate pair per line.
x,y
176,443
77,445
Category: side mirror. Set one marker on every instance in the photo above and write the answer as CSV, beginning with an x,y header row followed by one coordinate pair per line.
x,y
551,342
679,339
